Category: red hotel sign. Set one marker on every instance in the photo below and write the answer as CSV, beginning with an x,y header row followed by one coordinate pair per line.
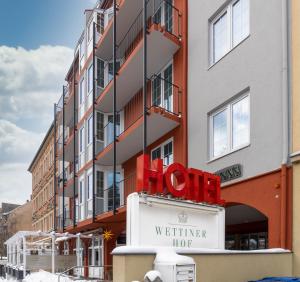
x,y
191,184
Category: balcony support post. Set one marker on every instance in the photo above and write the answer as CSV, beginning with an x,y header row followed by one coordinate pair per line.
x,y
74,148
54,170
63,157
115,105
94,118
145,77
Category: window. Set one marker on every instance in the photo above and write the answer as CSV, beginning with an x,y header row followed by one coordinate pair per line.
x,y
110,128
100,73
90,130
100,127
81,191
229,28
162,89
164,151
90,187
230,127
100,184
111,70
90,79
100,23
81,92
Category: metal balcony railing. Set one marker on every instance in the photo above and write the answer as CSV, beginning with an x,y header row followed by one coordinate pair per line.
x,y
163,94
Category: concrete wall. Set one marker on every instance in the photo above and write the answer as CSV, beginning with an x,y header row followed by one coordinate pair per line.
x,y
210,267
255,63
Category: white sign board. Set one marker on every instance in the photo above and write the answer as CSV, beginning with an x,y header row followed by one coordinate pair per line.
x,y
157,221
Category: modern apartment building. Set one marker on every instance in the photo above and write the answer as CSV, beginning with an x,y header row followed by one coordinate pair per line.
x,y
42,170
84,116
238,114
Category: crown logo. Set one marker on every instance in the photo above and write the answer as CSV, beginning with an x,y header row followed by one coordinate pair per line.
x,y
182,217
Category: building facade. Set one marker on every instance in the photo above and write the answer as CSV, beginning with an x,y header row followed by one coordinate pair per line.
x,y
86,200
295,154
20,219
238,114
42,170
5,210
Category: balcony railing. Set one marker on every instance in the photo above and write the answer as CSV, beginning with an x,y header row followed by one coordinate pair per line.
x,y
164,95
160,12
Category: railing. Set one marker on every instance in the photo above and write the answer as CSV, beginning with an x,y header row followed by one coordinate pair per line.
x,y
160,12
164,95
101,273
104,199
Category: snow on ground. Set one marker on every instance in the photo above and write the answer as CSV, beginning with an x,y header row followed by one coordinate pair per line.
x,y
41,276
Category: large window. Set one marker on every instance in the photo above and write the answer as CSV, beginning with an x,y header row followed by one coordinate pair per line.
x,y
81,140
230,127
162,89
164,151
100,73
229,28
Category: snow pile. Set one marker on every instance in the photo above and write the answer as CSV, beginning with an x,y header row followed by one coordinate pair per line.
x,y
42,276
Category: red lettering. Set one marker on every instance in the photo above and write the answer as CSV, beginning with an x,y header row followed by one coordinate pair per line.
x,y
179,184
149,179
190,184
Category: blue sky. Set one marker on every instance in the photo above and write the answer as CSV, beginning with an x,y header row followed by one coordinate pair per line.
x,y
31,23
37,38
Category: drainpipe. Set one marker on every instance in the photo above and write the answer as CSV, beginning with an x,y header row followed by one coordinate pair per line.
x,y
285,120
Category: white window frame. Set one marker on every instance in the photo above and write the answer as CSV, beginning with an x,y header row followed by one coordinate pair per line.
x,y
161,73
228,107
89,132
89,91
161,146
230,46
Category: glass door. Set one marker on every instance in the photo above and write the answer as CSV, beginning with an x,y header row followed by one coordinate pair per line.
x,y
168,88
109,191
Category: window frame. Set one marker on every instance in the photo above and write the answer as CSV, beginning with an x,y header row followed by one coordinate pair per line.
x,y
228,9
228,107
161,146
90,87
161,75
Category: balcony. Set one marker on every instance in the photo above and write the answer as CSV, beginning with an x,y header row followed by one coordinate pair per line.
x,y
164,31
164,114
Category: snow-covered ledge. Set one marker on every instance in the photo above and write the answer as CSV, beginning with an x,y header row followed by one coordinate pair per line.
x,y
147,250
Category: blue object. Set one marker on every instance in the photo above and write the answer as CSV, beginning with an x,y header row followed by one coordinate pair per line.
x,y
278,279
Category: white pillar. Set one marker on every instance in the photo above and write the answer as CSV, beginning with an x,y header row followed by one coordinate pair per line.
x,y
24,256
53,252
18,253
78,246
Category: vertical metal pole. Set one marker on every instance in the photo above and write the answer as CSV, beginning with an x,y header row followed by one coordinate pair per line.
x,y
63,162
74,148
94,118
145,78
54,170
115,107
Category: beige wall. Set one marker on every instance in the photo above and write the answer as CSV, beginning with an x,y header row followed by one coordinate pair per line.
x,y
211,267
296,132
43,186
20,219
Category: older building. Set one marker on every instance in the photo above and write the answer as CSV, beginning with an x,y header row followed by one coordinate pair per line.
x,y
42,172
5,210
20,219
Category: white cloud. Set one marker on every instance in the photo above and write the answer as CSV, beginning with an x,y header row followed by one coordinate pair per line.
x,y
17,144
15,184
31,81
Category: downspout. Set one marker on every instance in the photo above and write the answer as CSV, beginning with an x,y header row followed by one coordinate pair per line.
x,y
285,121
